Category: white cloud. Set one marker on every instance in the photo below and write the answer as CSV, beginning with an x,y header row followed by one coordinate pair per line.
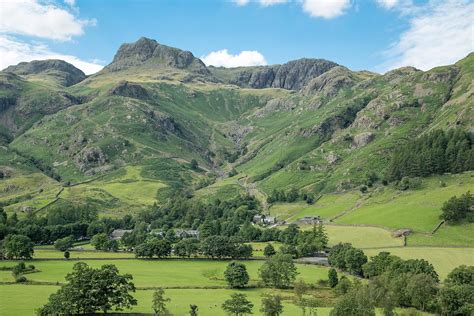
x,y
14,51
325,8
264,3
222,58
267,3
441,34
241,2
70,2
387,4
32,18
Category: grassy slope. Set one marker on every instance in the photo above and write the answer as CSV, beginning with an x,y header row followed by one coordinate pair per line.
x,y
443,259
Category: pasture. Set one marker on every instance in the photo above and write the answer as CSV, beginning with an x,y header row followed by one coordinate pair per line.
x,y
444,260
167,273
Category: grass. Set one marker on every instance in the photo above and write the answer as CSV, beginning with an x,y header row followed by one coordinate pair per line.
x,y
443,259
362,237
258,247
418,210
127,189
328,206
209,301
166,273
447,235
54,254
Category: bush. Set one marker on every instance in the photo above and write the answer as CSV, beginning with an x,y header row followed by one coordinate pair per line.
x,y
21,279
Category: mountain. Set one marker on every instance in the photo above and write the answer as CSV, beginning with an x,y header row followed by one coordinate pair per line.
x,y
55,70
124,137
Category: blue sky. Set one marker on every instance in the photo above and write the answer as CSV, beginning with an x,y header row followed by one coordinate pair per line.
x,y
376,35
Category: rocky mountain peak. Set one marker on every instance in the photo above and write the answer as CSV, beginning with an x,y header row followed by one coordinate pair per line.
x,y
146,50
62,72
293,75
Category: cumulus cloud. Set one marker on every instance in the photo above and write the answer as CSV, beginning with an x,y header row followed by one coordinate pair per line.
x,y
14,51
222,58
70,2
45,20
440,34
316,8
325,8
387,4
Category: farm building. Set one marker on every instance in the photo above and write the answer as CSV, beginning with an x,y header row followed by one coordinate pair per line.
x,y
117,234
265,220
310,220
187,233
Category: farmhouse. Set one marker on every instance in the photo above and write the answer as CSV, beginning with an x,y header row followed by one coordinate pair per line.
x,y
117,234
187,233
265,220
310,220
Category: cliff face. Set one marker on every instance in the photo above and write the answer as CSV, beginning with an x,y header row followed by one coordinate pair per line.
x,y
292,75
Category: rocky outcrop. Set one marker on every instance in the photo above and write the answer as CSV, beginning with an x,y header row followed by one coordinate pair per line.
x,y
332,158
363,139
275,105
130,90
443,75
292,75
62,72
330,82
90,158
148,51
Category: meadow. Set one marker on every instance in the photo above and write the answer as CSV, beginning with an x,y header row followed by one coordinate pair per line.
x,y
186,282
444,260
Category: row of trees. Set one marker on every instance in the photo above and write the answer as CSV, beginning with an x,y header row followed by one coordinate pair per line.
x,y
290,196
434,153
80,222
412,288
211,247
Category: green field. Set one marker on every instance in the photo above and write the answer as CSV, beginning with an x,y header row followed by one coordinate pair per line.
x,y
167,273
209,301
187,281
418,209
362,237
443,259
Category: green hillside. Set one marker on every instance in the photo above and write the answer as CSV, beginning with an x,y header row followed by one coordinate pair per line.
x,y
124,137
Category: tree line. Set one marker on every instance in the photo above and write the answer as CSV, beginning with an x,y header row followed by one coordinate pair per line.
x,y
435,153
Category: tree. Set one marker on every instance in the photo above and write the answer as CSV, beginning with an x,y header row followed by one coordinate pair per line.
x,y
456,209
99,241
193,310
271,305
64,244
194,164
456,297
186,247
67,254
237,305
159,302
343,286
279,271
332,276
269,251
89,290
18,247
236,275
356,302
355,259
421,289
